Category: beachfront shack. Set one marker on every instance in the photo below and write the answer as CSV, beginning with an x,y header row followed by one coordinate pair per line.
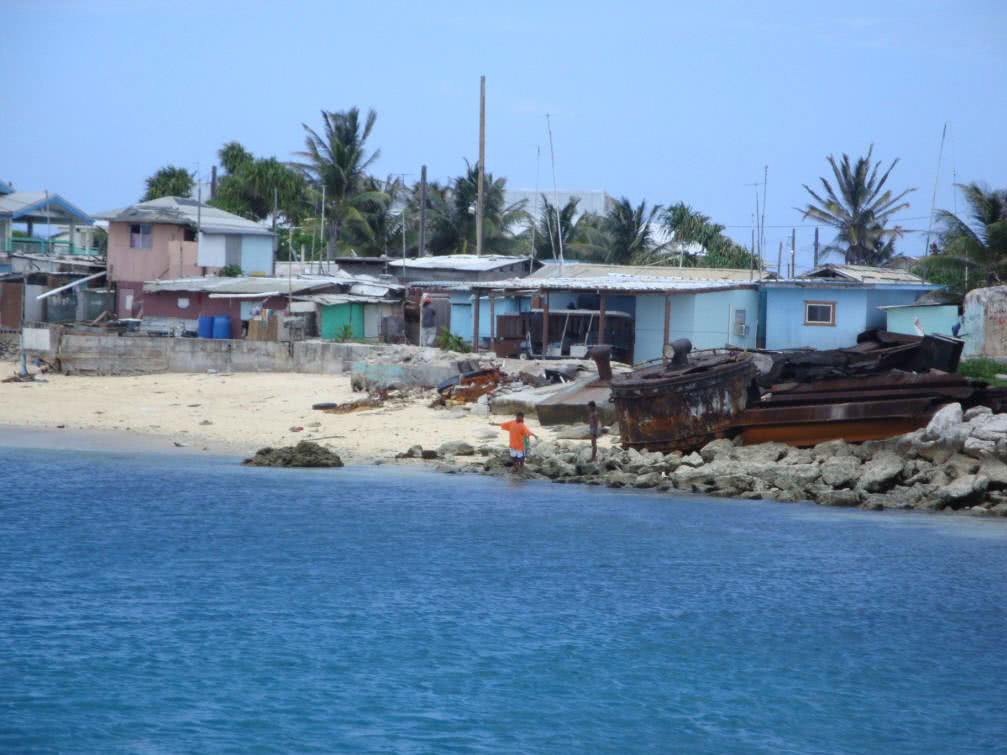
x,y
173,238
461,268
828,307
635,310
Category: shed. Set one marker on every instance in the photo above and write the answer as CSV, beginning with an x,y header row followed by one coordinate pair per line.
x,y
920,319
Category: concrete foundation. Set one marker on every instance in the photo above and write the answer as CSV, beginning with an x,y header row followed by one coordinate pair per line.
x,y
377,366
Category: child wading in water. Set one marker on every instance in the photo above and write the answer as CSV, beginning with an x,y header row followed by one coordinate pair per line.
x,y
519,435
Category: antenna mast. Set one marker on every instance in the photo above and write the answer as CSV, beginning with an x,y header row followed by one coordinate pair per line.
x,y
555,193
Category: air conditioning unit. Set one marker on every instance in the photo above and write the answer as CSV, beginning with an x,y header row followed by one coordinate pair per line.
x,y
740,329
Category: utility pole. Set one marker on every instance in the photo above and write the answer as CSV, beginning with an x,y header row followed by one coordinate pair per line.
x,y
555,192
276,241
762,224
403,236
482,165
793,252
816,246
422,251
779,260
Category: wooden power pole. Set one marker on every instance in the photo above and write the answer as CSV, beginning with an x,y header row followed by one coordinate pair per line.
x,y
422,252
793,252
816,246
482,164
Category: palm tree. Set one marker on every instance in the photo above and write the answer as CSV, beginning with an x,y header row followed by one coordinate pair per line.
x,y
337,160
248,187
382,232
452,216
549,229
860,208
973,250
628,230
169,181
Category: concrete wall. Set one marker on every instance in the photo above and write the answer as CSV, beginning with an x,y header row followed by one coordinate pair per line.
x,y
115,355
169,256
933,320
984,326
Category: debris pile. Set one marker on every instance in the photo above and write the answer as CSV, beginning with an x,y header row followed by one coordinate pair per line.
x,y
304,454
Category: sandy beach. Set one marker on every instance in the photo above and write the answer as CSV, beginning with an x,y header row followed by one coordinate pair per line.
x,y
230,414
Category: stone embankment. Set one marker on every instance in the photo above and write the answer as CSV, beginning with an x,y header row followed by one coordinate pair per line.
x,y
957,463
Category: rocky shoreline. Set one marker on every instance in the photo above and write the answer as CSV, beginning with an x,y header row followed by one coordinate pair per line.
x,y
958,463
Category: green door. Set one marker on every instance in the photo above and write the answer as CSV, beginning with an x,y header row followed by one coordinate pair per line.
x,y
338,320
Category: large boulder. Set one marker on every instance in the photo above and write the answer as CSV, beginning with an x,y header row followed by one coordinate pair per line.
x,y
762,453
456,448
881,473
993,429
841,471
716,448
831,449
995,471
947,427
979,448
845,497
963,491
304,454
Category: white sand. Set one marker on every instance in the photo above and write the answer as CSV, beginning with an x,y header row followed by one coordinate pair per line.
x,y
245,411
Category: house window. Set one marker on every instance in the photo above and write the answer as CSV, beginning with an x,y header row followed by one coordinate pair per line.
x,y
819,313
189,234
141,236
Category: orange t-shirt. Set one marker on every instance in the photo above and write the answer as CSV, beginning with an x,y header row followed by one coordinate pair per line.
x,y
518,432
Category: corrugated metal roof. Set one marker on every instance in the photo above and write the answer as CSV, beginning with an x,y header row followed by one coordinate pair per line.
x,y
188,212
623,283
465,262
864,274
592,270
244,285
40,205
327,300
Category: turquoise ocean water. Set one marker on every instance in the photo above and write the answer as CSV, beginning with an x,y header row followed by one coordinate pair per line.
x,y
160,605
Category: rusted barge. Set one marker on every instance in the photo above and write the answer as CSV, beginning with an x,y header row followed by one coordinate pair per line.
x,y
885,385
684,403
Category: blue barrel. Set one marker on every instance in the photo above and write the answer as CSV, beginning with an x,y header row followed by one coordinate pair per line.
x,y
221,326
205,329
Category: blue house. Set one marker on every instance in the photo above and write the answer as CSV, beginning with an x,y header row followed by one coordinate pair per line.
x,y
663,304
828,307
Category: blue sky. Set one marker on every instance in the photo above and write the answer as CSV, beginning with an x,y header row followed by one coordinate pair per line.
x,y
655,100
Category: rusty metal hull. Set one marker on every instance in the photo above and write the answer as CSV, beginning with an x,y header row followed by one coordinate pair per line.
x,y
681,410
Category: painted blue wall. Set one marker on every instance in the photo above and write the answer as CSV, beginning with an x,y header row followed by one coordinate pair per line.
x,y
933,320
706,319
461,313
856,311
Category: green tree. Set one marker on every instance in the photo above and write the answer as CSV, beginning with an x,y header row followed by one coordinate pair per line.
x,y
628,231
169,181
337,160
452,216
972,251
551,226
248,187
860,209
381,233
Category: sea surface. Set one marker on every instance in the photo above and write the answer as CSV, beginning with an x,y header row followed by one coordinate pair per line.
x,y
157,604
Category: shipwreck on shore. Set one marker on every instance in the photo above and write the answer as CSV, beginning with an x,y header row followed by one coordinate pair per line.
x,y
886,385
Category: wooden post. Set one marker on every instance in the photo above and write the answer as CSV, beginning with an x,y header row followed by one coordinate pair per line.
x,y
667,325
816,246
545,324
475,321
422,252
601,318
493,319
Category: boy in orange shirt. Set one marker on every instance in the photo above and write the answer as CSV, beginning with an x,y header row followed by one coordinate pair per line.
x,y
519,434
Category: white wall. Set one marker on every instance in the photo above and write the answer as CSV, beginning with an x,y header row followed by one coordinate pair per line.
x,y
211,250
257,255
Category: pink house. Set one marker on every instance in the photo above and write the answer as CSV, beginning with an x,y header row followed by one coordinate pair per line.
x,y
177,237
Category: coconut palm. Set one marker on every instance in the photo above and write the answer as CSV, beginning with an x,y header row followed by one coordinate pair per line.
x,y
860,208
337,159
382,210
451,216
251,185
169,181
628,231
972,250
